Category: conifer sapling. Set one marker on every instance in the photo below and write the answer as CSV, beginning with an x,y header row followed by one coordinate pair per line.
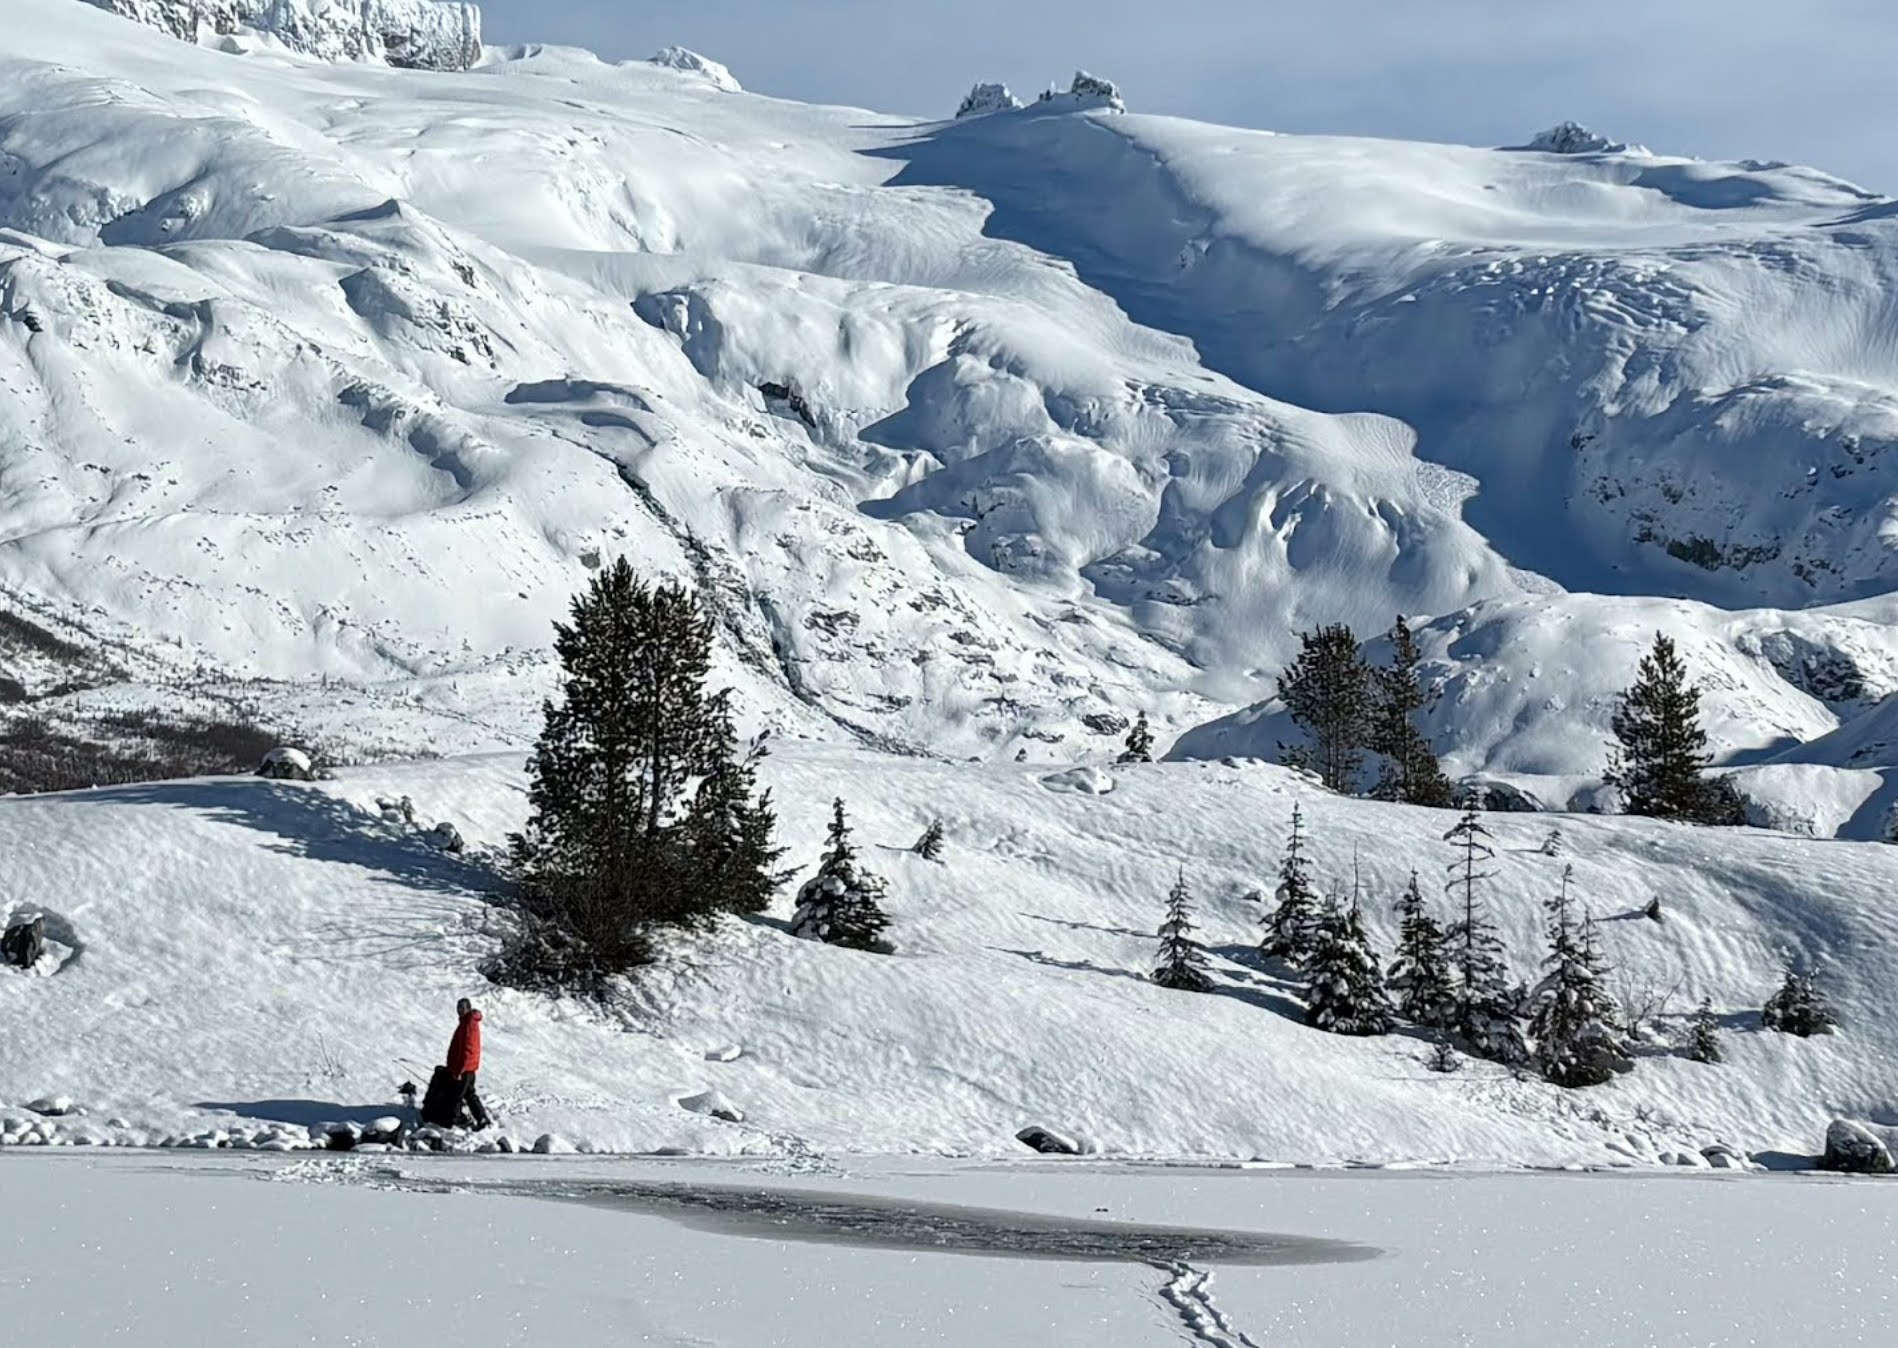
x,y
1139,742
1574,1044
1486,1013
1420,972
1291,927
841,904
1182,959
1347,993
1703,1035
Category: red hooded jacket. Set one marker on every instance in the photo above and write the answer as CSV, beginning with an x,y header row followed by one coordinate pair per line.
x,y
464,1050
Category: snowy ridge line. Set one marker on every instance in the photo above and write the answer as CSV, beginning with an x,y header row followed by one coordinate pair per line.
x,y
1189,1292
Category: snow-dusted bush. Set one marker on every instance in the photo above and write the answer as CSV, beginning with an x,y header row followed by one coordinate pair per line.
x,y
1798,1008
986,98
714,74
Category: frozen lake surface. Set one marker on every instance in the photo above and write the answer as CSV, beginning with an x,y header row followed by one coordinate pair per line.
x,y
153,1250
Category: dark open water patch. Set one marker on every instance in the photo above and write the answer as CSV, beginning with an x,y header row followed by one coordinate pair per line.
x,y
897,1224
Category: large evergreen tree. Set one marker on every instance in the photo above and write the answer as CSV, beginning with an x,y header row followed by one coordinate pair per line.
x,y
1420,973
1411,773
1574,1045
1661,754
1486,1013
842,904
1291,927
642,814
1182,959
1327,693
1347,993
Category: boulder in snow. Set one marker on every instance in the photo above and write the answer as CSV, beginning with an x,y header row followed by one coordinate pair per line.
x,y
1084,780
714,74
445,837
1048,1142
54,1106
552,1144
986,98
712,1104
1854,1149
1497,796
287,765
24,943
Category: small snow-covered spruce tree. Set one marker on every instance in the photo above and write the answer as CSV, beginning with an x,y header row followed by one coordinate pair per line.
x,y
1182,959
1486,1014
1347,995
1327,693
1411,773
1139,743
1660,755
1291,927
929,846
1703,1035
841,904
1552,843
1574,1045
1420,973
1798,1008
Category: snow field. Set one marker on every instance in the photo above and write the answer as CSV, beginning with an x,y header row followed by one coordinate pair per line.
x,y
277,952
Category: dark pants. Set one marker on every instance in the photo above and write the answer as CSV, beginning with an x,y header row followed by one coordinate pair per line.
x,y
469,1102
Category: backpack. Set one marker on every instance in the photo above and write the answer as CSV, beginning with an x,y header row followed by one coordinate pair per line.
x,y
442,1101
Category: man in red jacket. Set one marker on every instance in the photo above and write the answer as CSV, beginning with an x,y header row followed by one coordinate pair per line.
x,y
464,1060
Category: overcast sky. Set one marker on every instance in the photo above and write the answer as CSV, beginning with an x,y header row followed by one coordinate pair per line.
x,y
1802,80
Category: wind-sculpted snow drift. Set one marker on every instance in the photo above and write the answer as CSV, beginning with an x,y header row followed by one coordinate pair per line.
x,y
978,435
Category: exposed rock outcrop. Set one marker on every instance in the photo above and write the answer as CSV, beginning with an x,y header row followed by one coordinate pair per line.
x,y
986,98
413,34
683,59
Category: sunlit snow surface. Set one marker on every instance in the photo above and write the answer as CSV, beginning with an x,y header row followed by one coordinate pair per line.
x,y
314,371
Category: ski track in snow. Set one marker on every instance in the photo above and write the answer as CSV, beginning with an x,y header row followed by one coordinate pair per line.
x,y
1188,1292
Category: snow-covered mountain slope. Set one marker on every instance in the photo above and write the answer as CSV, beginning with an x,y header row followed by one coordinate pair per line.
x,y
1667,376
323,385
278,951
